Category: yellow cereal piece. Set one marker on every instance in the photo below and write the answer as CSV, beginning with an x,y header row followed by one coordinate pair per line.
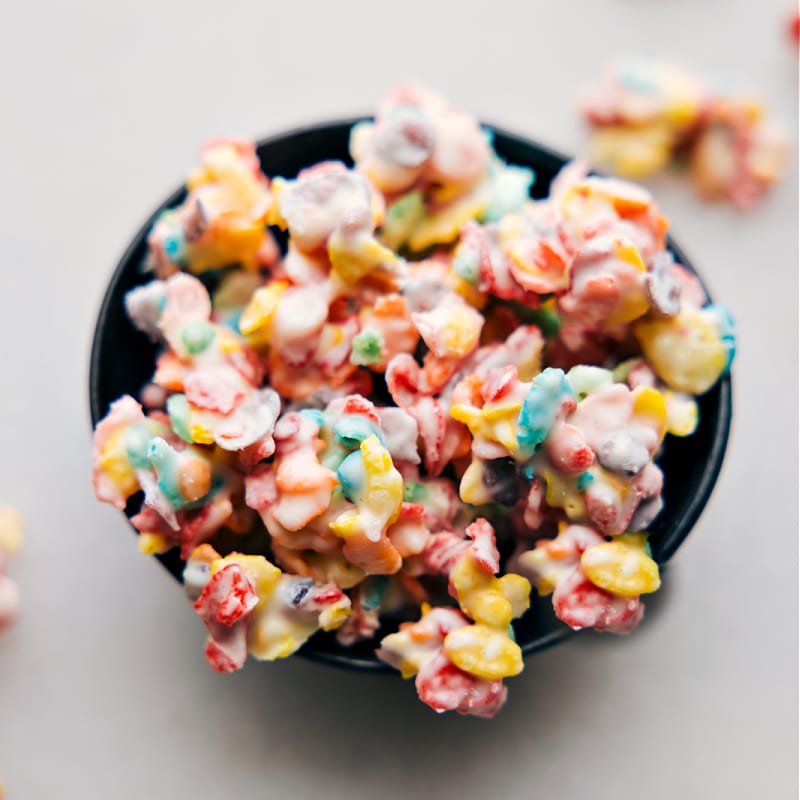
x,y
487,599
649,403
261,309
622,566
10,530
472,417
561,491
236,241
347,523
634,304
484,652
414,653
152,544
496,422
461,332
114,463
443,226
228,342
471,489
333,616
274,216
276,631
353,260
384,484
200,435
379,504
223,165
682,110
682,413
633,153
540,562
685,351
471,294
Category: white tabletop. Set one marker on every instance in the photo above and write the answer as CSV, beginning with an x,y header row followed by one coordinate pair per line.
x,y
104,692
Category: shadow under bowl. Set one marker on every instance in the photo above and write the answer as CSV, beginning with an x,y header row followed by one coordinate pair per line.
x,y
123,360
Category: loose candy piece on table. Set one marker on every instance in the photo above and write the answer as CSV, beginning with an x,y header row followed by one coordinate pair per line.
x,y
646,114
11,539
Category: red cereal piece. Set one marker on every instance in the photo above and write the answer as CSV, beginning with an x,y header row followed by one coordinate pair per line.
x,y
225,605
228,597
444,687
581,604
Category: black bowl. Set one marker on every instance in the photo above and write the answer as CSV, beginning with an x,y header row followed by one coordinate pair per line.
x,y
122,361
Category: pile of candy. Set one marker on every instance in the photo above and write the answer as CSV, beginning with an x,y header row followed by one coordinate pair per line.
x,y
438,370
10,544
647,114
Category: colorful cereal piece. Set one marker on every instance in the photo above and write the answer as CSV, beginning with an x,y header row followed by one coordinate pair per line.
x,y
221,221
248,605
688,352
622,566
371,482
10,544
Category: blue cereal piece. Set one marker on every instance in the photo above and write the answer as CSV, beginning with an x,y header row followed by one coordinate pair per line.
x,y
726,330
540,409
352,477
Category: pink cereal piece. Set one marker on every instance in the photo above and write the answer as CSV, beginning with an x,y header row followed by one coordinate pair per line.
x,y
408,534
258,451
460,153
607,509
215,390
149,521
534,505
252,421
443,551
606,411
199,526
187,300
400,432
641,374
483,548
499,383
260,489
567,448
494,266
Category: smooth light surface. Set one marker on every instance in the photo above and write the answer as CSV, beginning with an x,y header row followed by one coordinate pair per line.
x,y
103,690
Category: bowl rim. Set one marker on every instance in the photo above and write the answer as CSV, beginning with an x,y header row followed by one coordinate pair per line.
x,y
671,539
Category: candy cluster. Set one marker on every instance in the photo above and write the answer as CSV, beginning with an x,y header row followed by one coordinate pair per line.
x,y
10,544
437,371
647,114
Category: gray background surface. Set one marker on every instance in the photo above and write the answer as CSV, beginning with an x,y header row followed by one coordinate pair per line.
x,y
103,688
